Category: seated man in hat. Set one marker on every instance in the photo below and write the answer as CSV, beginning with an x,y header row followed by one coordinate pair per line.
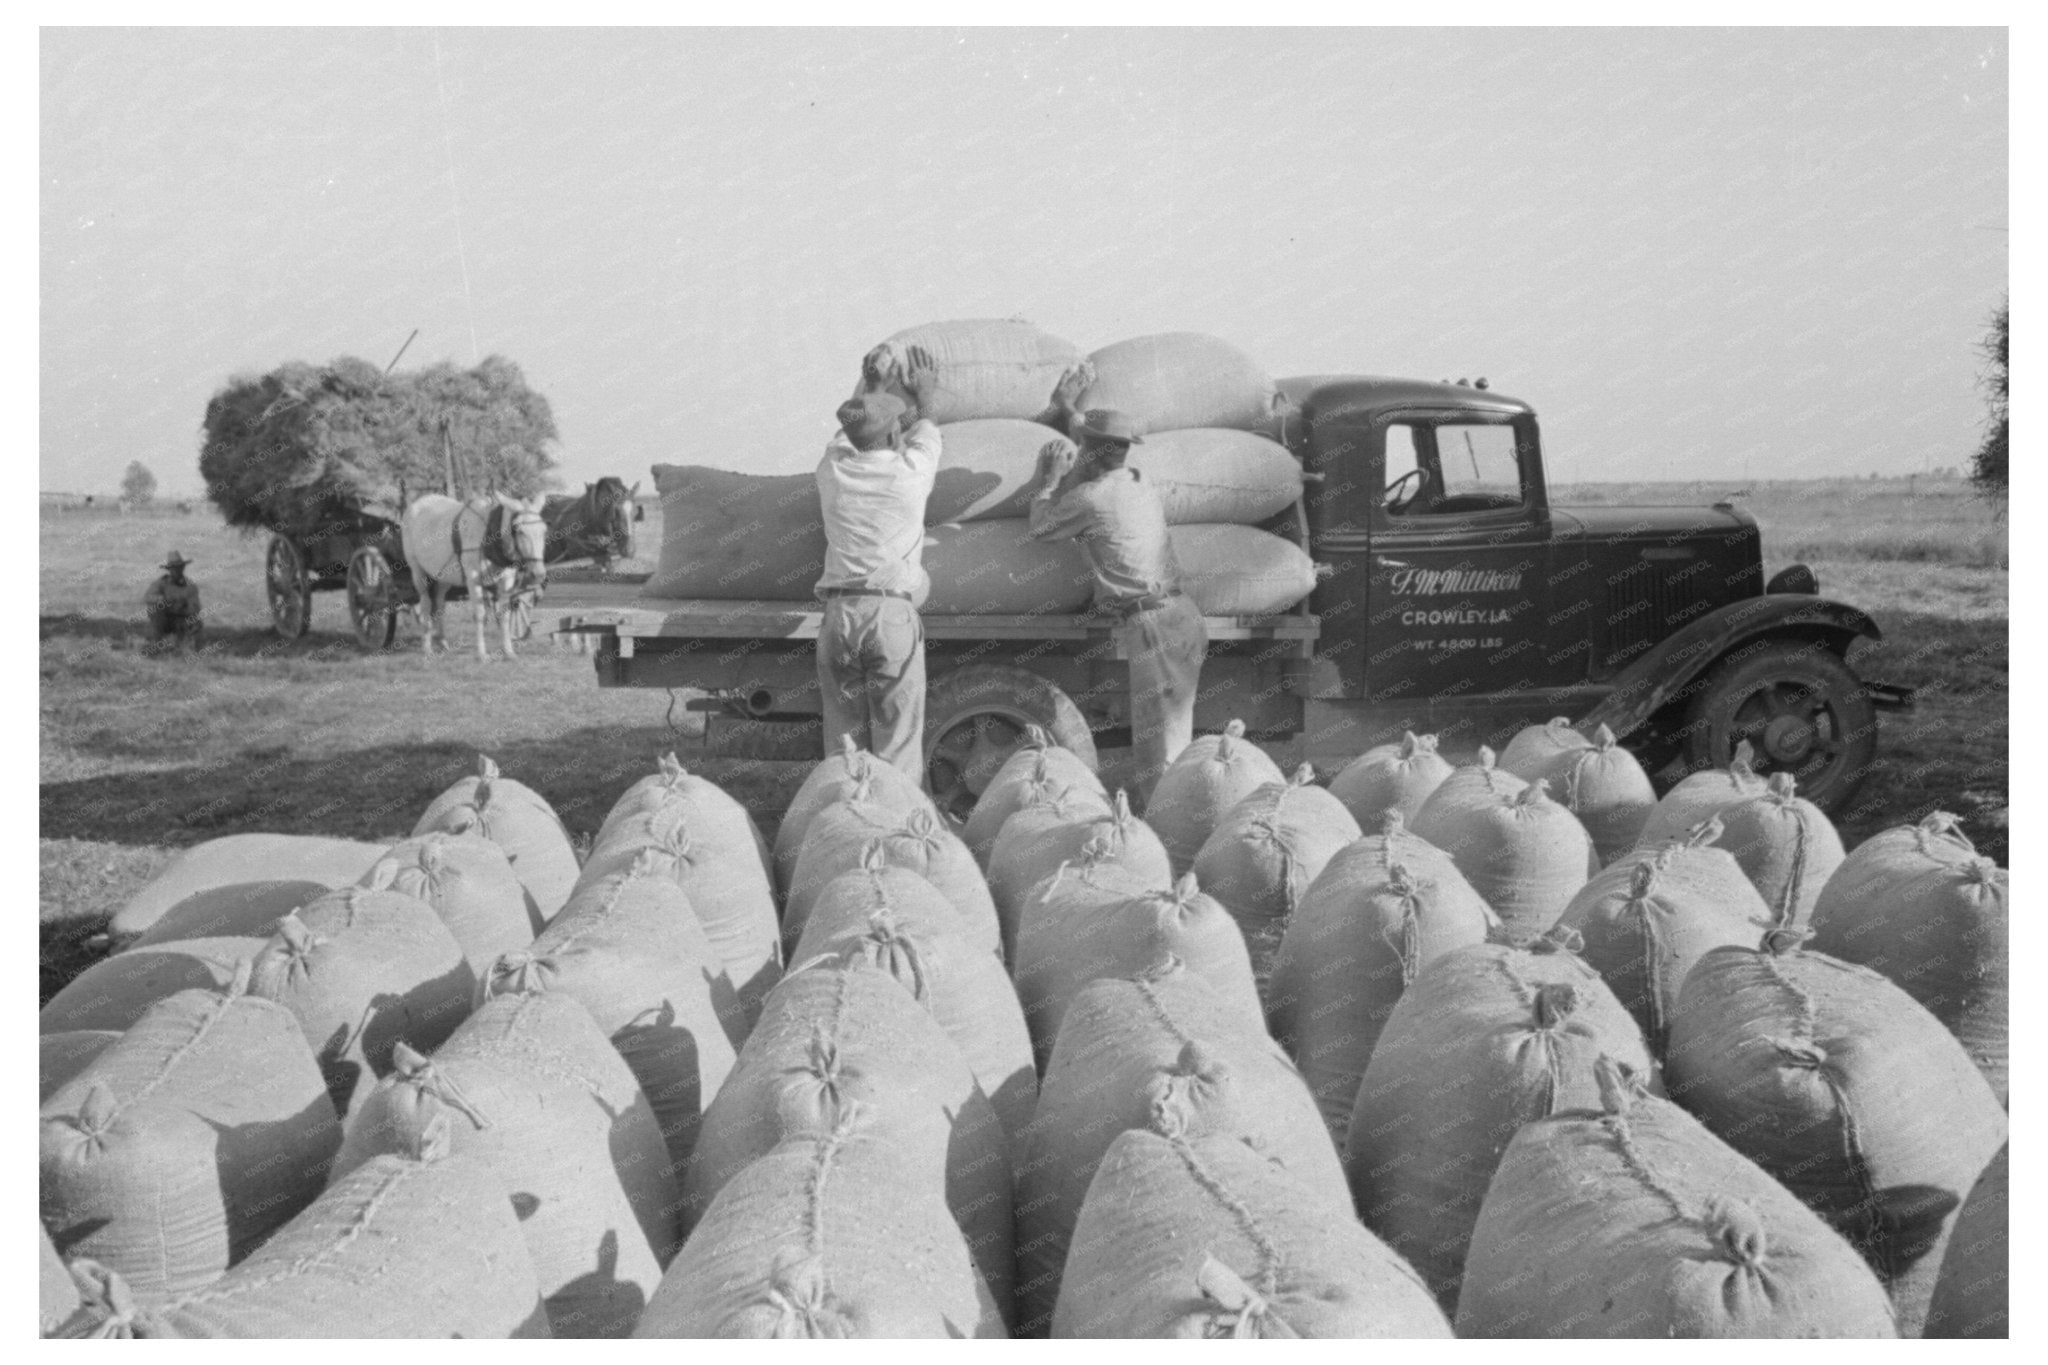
x,y
872,487
172,603
1117,517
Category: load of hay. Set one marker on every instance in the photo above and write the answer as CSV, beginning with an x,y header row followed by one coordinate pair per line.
x,y
306,448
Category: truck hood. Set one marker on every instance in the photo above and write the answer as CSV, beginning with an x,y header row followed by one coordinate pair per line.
x,y
1629,523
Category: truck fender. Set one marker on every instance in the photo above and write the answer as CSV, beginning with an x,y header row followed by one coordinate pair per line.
x,y
1643,688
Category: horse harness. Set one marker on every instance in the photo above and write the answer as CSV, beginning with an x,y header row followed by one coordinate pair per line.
x,y
496,550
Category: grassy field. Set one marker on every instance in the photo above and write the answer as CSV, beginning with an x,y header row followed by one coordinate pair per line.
x,y
143,755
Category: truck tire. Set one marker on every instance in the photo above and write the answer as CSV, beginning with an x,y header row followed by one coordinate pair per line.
x,y
974,719
1802,711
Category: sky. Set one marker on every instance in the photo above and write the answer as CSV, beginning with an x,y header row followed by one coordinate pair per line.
x,y
1699,253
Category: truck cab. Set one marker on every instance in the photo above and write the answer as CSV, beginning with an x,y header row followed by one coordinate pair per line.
x,y
1458,597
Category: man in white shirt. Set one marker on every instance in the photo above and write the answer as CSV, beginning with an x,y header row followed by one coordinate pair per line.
x,y
872,487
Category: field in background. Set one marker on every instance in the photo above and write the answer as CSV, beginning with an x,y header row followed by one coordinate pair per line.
x,y
141,756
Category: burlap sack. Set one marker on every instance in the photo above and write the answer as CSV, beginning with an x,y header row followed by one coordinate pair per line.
x,y
419,1245
1200,786
1366,929
1847,1090
632,952
1632,1220
842,1032
188,1142
1486,1039
530,1085
1124,1046
518,820
1204,1237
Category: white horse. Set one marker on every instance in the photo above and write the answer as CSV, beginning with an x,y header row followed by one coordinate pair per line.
x,y
491,547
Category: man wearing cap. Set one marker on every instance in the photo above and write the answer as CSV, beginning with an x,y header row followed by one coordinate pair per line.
x,y
872,487
1117,517
172,603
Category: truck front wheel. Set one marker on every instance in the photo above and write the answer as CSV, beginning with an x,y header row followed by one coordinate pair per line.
x,y
974,719
1802,711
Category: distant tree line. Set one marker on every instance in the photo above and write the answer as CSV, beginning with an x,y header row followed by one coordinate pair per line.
x,y
1987,467
306,446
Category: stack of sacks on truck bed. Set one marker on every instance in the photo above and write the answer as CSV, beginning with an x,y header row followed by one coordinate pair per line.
x,y
1208,415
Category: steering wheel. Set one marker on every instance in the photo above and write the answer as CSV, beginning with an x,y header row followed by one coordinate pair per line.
x,y
1398,501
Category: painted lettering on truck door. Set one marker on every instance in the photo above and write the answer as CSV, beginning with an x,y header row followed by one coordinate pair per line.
x,y
1460,555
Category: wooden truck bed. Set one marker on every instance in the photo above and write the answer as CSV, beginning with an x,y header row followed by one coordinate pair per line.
x,y
616,608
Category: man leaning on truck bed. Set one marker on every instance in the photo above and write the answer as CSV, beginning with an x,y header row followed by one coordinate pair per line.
x,y
1118,519
872,487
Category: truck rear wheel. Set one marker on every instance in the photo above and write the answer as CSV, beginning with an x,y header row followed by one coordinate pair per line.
x,y
974,719
1802,711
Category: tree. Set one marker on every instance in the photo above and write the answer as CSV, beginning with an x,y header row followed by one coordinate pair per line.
x,y
1987,467
138,485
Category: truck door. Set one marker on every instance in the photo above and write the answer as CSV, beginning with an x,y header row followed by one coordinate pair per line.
x,y
1459,558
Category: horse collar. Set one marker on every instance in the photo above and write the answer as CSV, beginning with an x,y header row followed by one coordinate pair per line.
x,y
494,538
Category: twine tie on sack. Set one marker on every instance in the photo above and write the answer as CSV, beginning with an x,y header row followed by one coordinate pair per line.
x,y
1736,1231
1403,885
647,863
1238,1311
887,945
420,1072
799,1303
920,827
1487,760
1168,963
1620,1089
1643,904
1937,827
1558,938
1783,940
518,972
1706,832
1227,741
1175,1092
1807,1055
96,1113
103,1292
1553,1007
1174,906
299,944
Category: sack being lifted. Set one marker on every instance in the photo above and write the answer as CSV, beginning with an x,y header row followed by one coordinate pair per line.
x,y
986,367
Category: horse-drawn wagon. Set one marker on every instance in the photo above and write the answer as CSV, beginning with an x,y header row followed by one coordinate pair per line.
x,y
362,555
361,552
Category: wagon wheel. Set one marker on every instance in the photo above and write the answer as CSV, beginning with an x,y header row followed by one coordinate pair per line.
x,y
372,598
291,592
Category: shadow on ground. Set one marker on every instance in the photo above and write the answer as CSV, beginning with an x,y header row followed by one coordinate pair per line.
x,y
241,642
378,793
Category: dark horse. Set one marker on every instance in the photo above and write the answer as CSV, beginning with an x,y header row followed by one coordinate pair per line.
x,y
596,524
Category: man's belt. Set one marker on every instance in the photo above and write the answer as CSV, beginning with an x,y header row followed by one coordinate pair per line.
x,y
865,592
1125,607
